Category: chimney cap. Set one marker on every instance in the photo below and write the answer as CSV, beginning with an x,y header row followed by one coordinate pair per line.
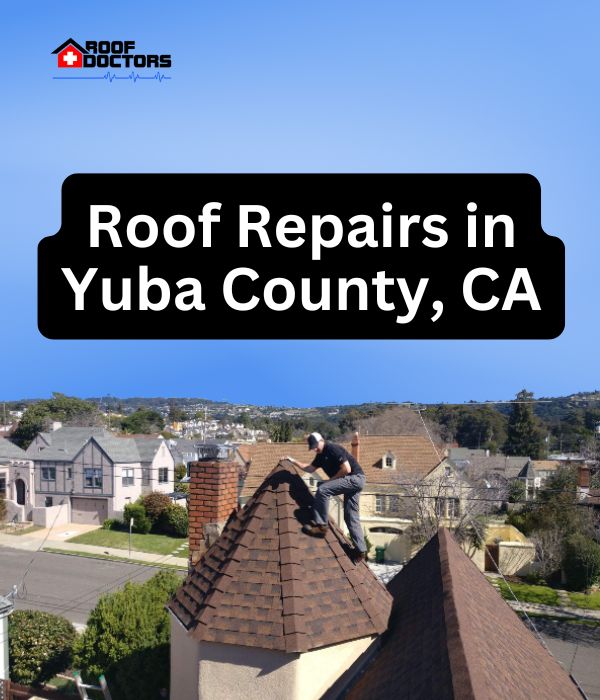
x,y
213,451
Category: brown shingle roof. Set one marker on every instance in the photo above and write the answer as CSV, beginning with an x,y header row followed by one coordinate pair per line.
x,y
415,457
266,584
452,637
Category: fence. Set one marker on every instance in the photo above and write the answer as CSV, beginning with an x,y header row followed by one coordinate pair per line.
x,y
9,690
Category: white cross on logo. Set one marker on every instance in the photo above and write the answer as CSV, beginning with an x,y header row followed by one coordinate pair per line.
x,y
70,58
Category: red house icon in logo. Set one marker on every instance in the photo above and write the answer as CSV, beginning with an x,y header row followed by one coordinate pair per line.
x,y
70,54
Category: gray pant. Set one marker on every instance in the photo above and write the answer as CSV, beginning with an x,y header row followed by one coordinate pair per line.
x,y
350,487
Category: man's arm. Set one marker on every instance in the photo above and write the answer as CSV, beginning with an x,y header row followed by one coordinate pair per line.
x,y
310,468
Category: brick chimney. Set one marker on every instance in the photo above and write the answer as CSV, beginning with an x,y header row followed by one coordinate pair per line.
x,y
213,496
583,481
355,444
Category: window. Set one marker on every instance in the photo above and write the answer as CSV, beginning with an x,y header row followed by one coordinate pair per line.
x,y
69,472
387,504
394,504
447,507
163,475
389,461
453,507
48,502
128,476
92,478
49,473
2,485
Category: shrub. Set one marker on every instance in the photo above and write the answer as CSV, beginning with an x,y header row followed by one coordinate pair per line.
x,y
155,504
141,522
180,471
127,639
2,509
581,562
174,521
112,524
39,645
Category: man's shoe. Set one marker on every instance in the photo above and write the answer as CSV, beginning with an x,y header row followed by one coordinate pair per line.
x,y
356,555
314,530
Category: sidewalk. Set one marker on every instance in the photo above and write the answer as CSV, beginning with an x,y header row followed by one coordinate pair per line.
x,y
55,539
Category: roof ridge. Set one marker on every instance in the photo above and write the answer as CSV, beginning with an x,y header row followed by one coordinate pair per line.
x,y
462,682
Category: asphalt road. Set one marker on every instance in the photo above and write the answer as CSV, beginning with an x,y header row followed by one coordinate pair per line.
x,y
64,585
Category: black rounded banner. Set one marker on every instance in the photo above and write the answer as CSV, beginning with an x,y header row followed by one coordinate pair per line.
x,y
322,256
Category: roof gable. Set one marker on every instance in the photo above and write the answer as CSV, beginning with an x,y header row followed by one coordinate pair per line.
x,y
266,584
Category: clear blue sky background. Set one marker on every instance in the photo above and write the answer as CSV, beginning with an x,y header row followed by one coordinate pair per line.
x,y
311,86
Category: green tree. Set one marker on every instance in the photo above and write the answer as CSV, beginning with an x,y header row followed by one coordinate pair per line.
x,y
40,645
69,410
281,432
141,522
524,437
176,414
127,639
144,420
155,504
581,562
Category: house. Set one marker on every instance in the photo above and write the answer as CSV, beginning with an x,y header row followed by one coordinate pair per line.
x,y
393,465
70,54
94,473
268,612
16,480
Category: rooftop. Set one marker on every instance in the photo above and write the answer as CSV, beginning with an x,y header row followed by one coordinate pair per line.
x,y
266,584
451,637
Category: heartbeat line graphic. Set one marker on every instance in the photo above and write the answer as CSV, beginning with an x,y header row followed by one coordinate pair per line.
x,y
133,76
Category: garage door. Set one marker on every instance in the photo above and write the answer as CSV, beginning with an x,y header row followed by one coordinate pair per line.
x,y
89,511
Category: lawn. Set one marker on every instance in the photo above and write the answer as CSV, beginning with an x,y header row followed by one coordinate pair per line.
x,y
530,594
22,530
155,544
589,602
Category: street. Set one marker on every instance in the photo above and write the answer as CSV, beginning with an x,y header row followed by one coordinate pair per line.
x,y
64,585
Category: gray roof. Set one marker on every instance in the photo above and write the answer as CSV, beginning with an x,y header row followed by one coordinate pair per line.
x,y
147,447
119,449
528,472
8,450
183,451
64,443
477,466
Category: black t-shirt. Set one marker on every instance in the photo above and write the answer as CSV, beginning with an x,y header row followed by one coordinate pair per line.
x,y
332,457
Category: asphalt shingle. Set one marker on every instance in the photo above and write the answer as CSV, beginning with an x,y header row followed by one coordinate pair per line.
x,y
266,584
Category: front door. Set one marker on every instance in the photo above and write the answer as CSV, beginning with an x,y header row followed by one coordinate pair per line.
x,y
20,486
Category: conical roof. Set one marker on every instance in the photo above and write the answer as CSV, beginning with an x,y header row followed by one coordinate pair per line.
x,y
264,583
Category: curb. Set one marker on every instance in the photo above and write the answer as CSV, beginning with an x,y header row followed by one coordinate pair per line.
x,y
109,557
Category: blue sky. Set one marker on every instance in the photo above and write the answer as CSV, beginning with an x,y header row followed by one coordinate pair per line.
x,y
305,87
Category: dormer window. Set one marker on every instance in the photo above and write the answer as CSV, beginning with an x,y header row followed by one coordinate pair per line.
x,y
388,460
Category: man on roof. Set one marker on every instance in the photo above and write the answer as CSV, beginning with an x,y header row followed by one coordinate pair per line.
x,y
346,478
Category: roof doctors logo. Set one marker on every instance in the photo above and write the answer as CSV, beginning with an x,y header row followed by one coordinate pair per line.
x,y
110,56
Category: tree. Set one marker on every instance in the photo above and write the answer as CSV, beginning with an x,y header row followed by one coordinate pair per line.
x,y
141,522
127,639
155,504
176,414
69,410
40,645
523,434
447,499
581,562
281,432
144,420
